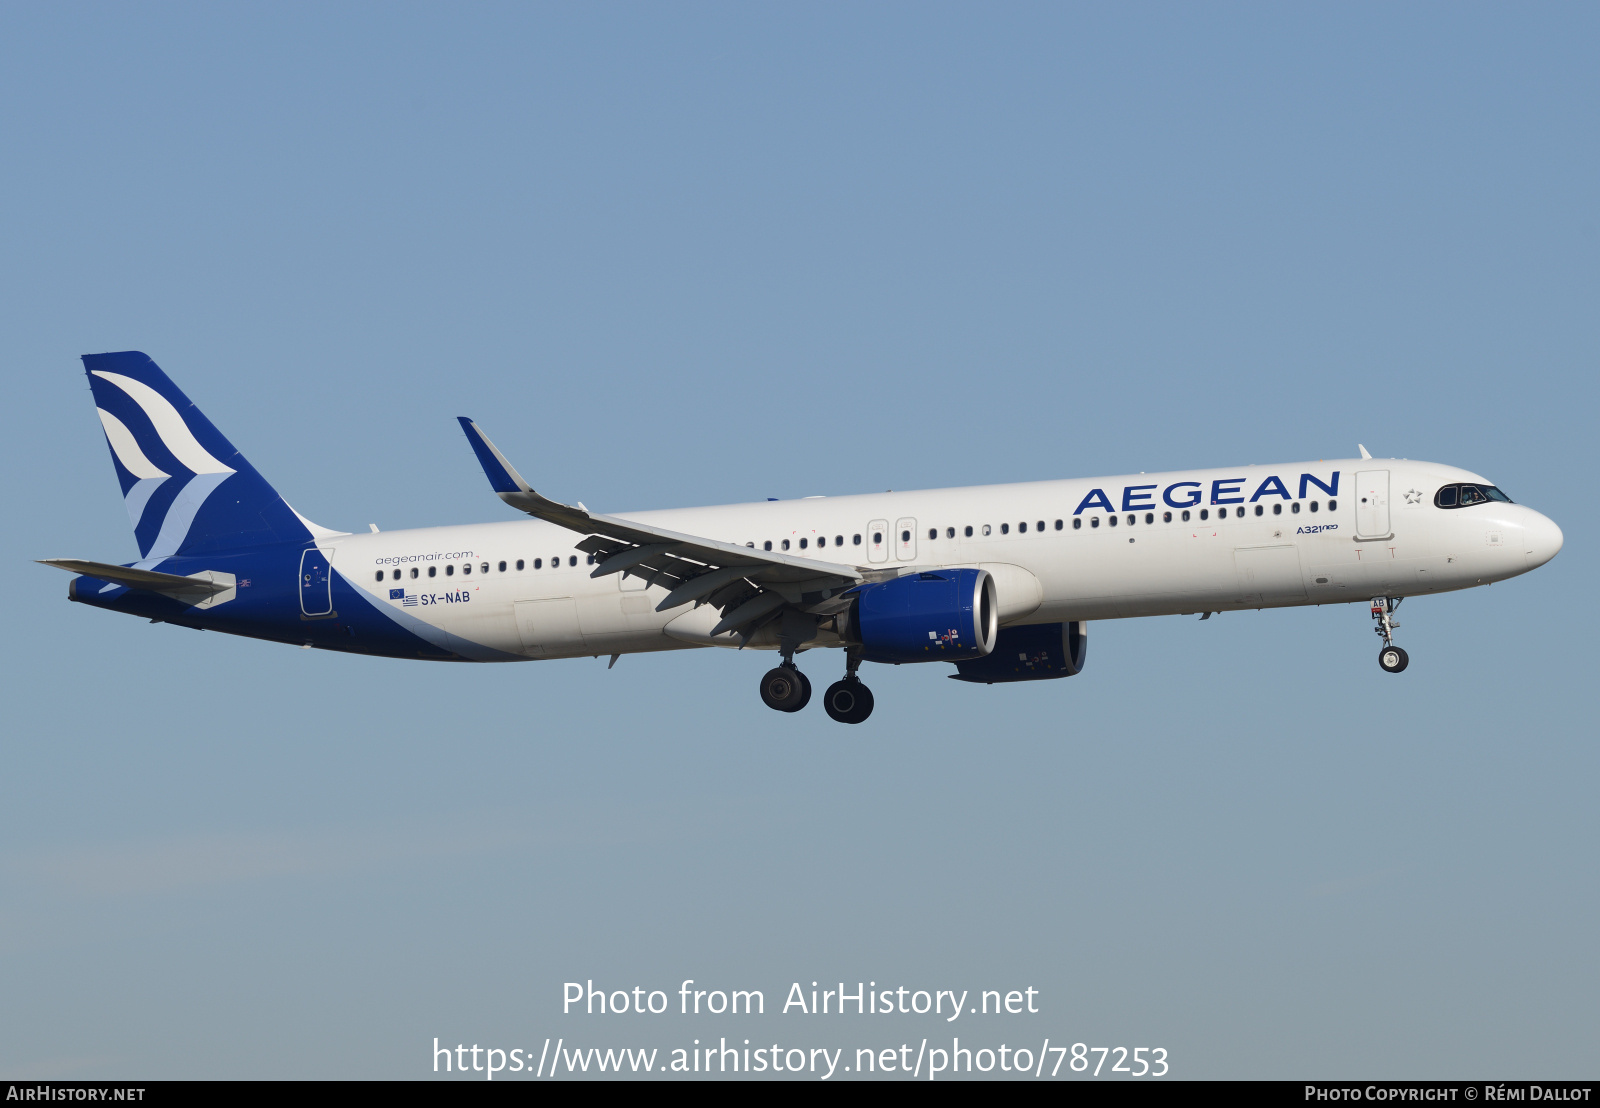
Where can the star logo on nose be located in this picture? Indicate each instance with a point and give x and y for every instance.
(1413, 496)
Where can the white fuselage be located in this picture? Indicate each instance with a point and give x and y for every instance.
(1382, 536)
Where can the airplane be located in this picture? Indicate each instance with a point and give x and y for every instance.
(1000, 581)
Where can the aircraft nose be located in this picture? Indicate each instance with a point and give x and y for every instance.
(1542, 539)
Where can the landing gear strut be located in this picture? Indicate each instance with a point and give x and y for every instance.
(784, 687)
(1392, 658)
(848, 701)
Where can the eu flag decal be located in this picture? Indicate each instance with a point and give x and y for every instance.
(397, 594)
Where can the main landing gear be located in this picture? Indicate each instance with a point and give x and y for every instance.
(785, 689)
(848, 701)
(1392, 658)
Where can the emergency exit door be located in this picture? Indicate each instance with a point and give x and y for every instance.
(905, 539)
(878, 541)
(1372, 504)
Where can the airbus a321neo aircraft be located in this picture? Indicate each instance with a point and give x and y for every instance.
(999, 581)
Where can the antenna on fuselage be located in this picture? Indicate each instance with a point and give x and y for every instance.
(1363, 450)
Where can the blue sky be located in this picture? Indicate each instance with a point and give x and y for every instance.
(704, 253)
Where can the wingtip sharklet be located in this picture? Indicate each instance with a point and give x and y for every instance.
(503, 477)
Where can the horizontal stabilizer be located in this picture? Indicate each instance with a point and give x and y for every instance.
(203, 584)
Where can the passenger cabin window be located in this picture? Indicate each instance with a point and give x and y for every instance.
(905, 536)
(1294, 509)
(1333, 505)
(1112, 520)
(985, 528)
(1040, 526)
(1005, 528)
(519, 565)
(397, 575)
(1239, 511)
(1149, 517)
(877, 538)
(933, 532)
(785, 544)
(380, 575)
(1022, 528)
(433, 571)
(1277, 509)
(802, 544)
(1094, 521)
(1186, 515)
(838, 540)
(949, 532)
(855, 540)
(413, 573)
(573, 560)
(968, 532)
(1204, 513)
(1313, 505)
(767, 545)
(1058, 524)
(450, 571)
(502, 568)
(1260, 509)
(465, 568)
(1077, 523)
(1166, 517)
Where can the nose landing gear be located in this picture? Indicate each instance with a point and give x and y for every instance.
(1392, 658)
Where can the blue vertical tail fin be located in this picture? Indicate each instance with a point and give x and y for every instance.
(187, 489)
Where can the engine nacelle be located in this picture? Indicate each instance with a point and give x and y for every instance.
(947, 616)
(1036, 652)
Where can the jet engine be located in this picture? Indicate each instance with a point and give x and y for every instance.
(1036, 652)
(946, 616)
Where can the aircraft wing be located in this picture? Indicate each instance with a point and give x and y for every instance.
(750, 587)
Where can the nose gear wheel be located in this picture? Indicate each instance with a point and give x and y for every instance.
(1392, 658)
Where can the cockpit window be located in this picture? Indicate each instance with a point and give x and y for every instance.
(1464, 496)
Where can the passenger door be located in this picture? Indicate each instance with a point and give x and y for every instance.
(1372, 504)
(878, 541)
(316, 583)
